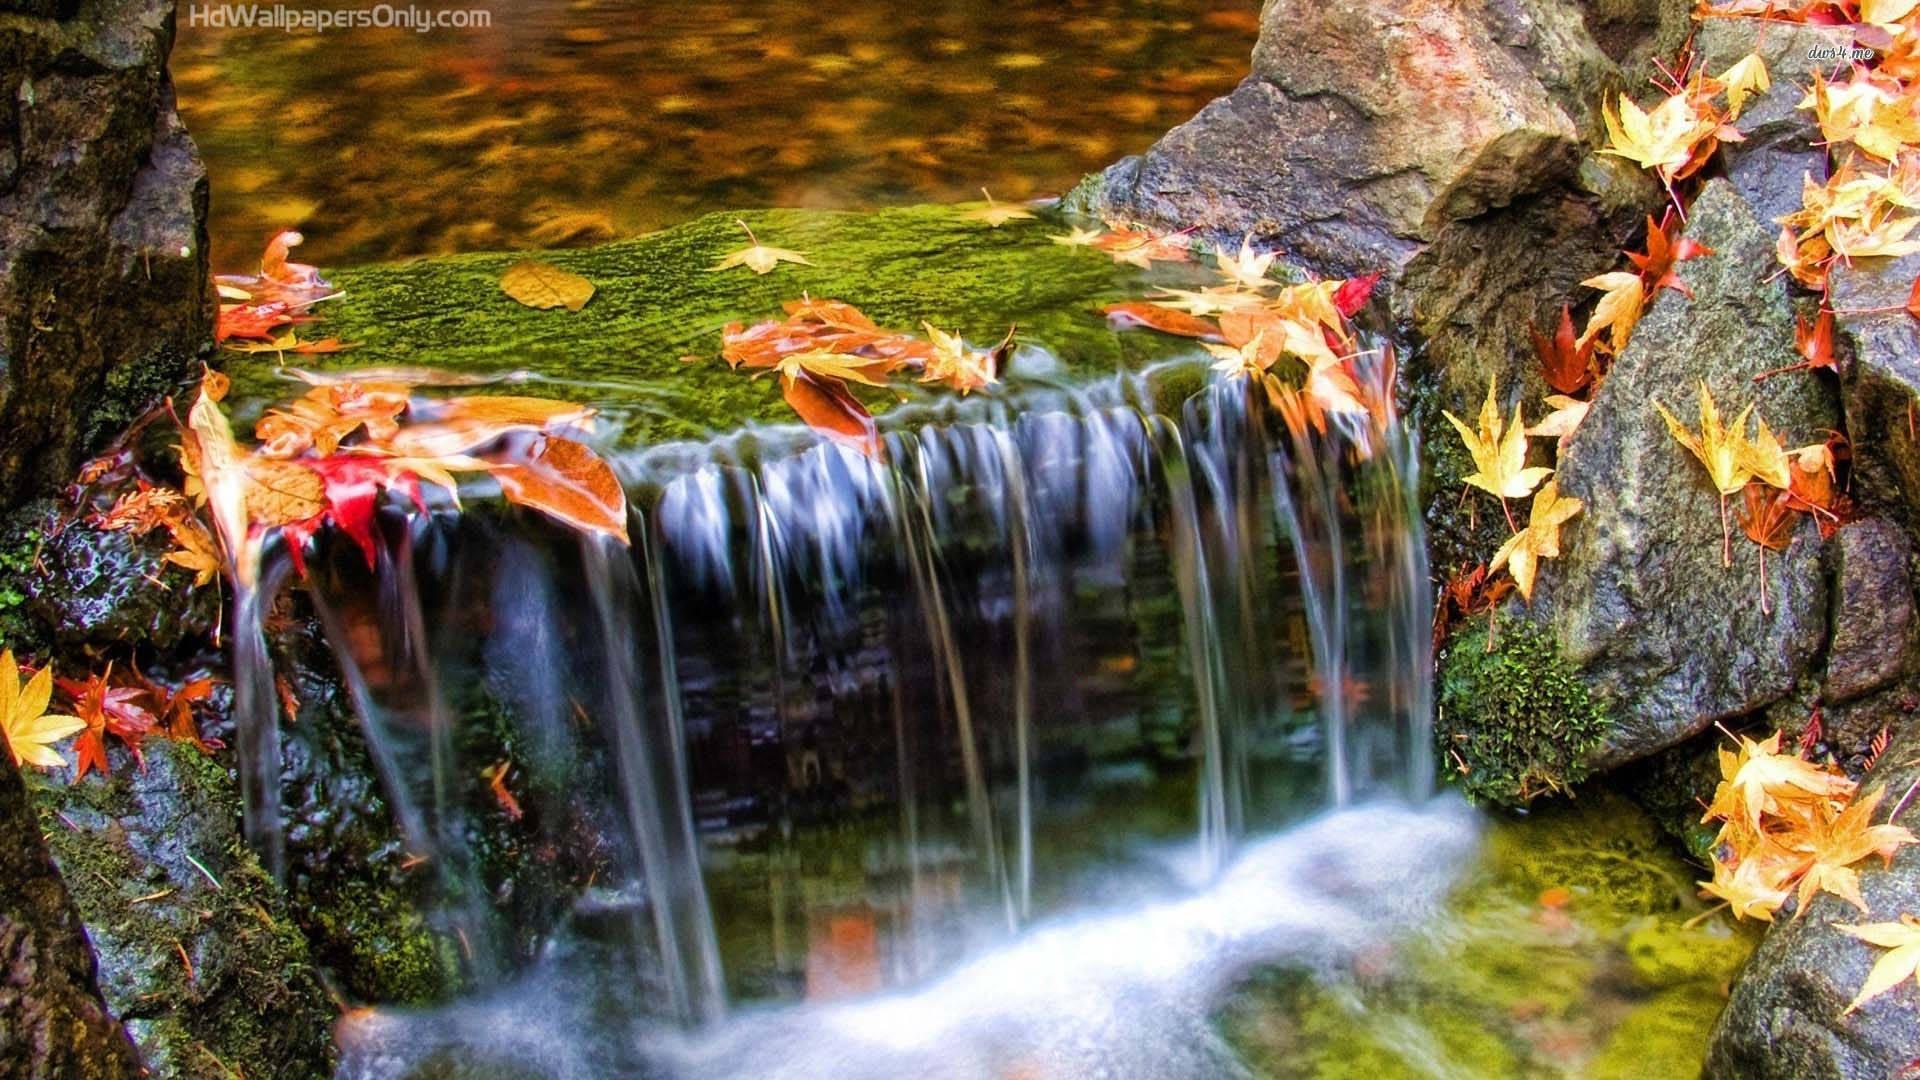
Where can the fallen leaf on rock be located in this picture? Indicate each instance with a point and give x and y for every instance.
(756, 256)
(1499, 451)
(1522, 552)
(541, 285)
(31, 731)
(1897, 966)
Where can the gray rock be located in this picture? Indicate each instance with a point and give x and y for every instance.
(1667, 638)
(195, 947)
(1366, 128)
(52, 1021)
(1785, 1018)
(104, 294)
(1875, 627)
(1783, 141)
(1881, 386)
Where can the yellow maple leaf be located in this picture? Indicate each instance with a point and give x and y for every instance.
(1248, 269)
(1662, 140)
(1897, 966)
(1765, 457)
(1847, 839)
(1622, 299)
(1565, 419)
(995, 215)
(1499, 452)
(31, 731)
(1759, 779)
(1748, 76)
(1078, 237)
(958, 366)
(756, 256)
(1522, 552)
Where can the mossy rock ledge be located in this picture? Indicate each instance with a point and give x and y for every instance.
(657, 302)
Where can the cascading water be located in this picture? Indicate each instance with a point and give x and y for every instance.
(855, 724)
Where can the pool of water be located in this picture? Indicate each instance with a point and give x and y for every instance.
(572, 121)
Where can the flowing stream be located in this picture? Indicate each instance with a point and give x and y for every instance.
(1061, 676)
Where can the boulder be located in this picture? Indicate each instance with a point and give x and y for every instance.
(1787, 1016)
(196, 950)
(1881, 384)
(1783, 141)
(104, 294)
(1875, 628)
(1365, 128)
(53, 1023)
(1666, 637)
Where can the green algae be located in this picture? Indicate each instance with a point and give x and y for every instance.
(656, 302)
(1514, 719)
(1574, 947)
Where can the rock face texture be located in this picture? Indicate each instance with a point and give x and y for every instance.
(1787, 1018)
(1366, 128)
(53, 1023)
(104, 294)
(1667, 636)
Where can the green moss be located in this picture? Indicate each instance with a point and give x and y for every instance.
(197, 955)
(1623, 968)
(132, 388)
(656, 303)
(20, 541)
(1517, 719)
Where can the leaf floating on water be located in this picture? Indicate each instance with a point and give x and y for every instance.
(828, 407)
(756, 256)
(566, 480)
(542, 285)
(1161, 317)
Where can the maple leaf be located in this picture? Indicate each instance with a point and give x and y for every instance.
(1873, 112)
(1747, 76)
(1622, 297)
(543, 285)
(1522, 552)
(756, 256)
(1897, 966)
(194, 550)
(1663, 140)
(829, 408)
(1566, 361)
(1656, 264)
(1142, 247)
(1753, 877)
(1563, 421)
(1250, 357)
(1849, 838)
(1768, 520)
(496, 777)
(1249, 269)
(30, 730)
(176, 711)
(1467, 593)
(1759, 778)
(568, 482)
(1078, 237)
(1499, 453)
(1724, 452)
(995, 215)
(1353, 293)
(1162, 317)
(1765, 457)
(959, 367)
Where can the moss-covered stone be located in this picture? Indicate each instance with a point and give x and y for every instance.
(197, 954)
(656, 302)
(1514, 719)
(1574, 946)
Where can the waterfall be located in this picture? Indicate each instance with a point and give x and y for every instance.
(958, 649)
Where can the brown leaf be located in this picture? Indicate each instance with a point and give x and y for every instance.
(541, 285)
(564, 479)
(829, 408)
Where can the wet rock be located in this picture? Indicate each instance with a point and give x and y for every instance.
(1874, 624)
(53, 1023)
(1783, 141)
(86, 590)
(1787, 1017)
(104, 294)
(1667, 637)
(1365, 128)
(1881, 386)
(196, 951)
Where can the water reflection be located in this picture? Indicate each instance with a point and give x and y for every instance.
(573, 121)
